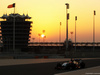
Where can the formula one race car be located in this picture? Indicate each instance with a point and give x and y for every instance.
(72, 64)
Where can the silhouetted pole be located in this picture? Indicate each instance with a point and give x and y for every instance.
(14, 34)
(75, 32)
(14, 31)
(94, 30)
(71, 36)
(60, 33)
(43, 36)
(33, 40)
(67, 17)
(39, 37)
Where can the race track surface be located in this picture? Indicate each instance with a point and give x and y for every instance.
(40, 68)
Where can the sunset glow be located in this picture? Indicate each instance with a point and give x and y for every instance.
(47, 14)
(42, 35)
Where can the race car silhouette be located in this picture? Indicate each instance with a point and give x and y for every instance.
(72, 64)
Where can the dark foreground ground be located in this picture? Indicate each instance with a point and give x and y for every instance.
(40, 69)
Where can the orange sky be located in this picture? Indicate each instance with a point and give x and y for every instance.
(47, 15)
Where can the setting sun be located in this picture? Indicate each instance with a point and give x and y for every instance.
(42, 35)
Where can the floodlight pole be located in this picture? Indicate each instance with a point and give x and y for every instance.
(94, 30)
(60, 33)
(14, 34)
(14, 31)
(75, 32)
(39, 37)
(67, 17)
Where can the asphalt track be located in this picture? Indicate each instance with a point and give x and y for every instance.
(40, 69)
